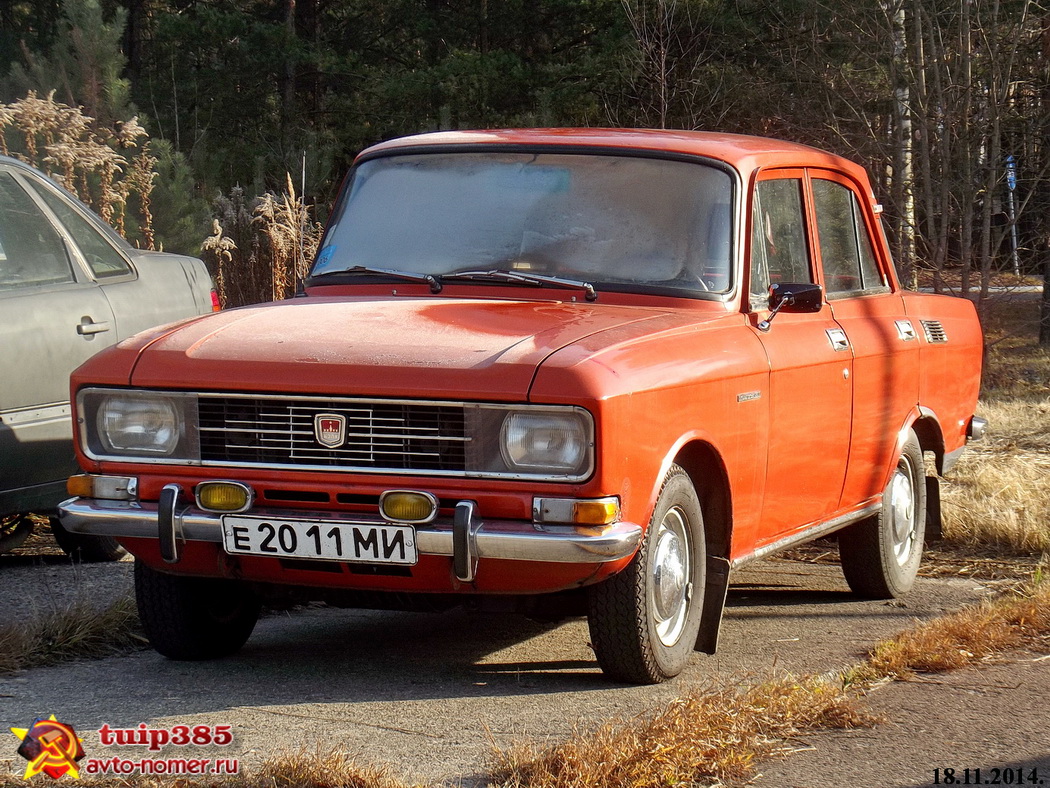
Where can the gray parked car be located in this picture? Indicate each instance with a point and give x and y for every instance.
(69, 287)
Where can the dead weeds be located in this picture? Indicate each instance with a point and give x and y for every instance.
(77, 630)
(998, 496)
(1010, 622)
(705, 737)
(316, 769)
(319, 768)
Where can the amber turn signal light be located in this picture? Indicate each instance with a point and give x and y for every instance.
(596, 512)
(113, 488)
(223, 496)
(576, 511)
(408, 506)
(80, 486)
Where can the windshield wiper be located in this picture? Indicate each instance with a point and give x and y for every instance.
(408, 276)
(533, 279)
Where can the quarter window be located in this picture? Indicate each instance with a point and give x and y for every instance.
(846, 253)
(778, 238)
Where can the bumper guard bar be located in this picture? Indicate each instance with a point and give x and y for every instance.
(466, 537)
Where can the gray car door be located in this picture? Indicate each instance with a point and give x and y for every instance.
(52, 318)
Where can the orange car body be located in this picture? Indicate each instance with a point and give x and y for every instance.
(788, 430)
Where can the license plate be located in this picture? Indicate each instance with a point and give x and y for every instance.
(330, 540)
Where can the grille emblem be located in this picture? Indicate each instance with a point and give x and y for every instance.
(330, 429)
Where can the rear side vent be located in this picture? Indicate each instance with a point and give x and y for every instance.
(934, 331)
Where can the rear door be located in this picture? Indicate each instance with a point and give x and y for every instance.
(884, 340)
(52, 318)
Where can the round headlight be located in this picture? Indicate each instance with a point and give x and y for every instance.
(139, 425)
(544, 441)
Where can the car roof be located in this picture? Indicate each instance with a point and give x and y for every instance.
(11, 161)
(743, 152)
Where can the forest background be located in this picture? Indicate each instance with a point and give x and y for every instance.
(946, 102)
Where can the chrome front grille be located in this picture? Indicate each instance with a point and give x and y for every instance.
(380, 434)
(934, 331)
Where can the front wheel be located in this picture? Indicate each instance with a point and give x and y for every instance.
(644, 620)
(14, 530)
(193, 618)
(880, 555)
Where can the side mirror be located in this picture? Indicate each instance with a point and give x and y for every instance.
(799, 297)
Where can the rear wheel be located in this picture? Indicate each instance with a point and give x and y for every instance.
(192, 618)
(644, 620)
(881, 555)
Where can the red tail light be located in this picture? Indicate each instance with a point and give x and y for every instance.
(215, 305)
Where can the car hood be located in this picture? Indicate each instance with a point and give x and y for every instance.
(405, 347)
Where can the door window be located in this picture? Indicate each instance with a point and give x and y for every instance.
(31, 250)
(778, 238)
(846, 252)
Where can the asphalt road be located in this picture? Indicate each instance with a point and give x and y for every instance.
(429, 694)
(980, 726)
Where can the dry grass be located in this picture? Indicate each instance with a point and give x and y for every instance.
(1000, 500)
(102, 166)
(974, 634)
(77, 630)
(300, 769)
(951, 279)
(261, 249)
(998, 495)
(316, 769)
(705, 737)
(290, 238)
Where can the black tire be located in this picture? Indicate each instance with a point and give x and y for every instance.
(881, 554)
(87, 548)
(194, 618)
(644, 620)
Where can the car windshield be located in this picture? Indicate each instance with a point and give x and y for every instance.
(622, 222)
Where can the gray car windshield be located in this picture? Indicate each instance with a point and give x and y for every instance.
(620, 221)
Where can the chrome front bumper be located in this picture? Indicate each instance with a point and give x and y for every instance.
(465, 538)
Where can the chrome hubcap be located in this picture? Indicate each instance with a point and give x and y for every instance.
(671, 585)
(902, 510)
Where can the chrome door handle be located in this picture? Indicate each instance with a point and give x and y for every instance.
(838, 339)
(87, 326)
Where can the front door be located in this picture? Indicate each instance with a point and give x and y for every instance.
(810, 364)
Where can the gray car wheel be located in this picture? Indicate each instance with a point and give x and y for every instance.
(644, 620)
(881, 555)
(85, 547)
